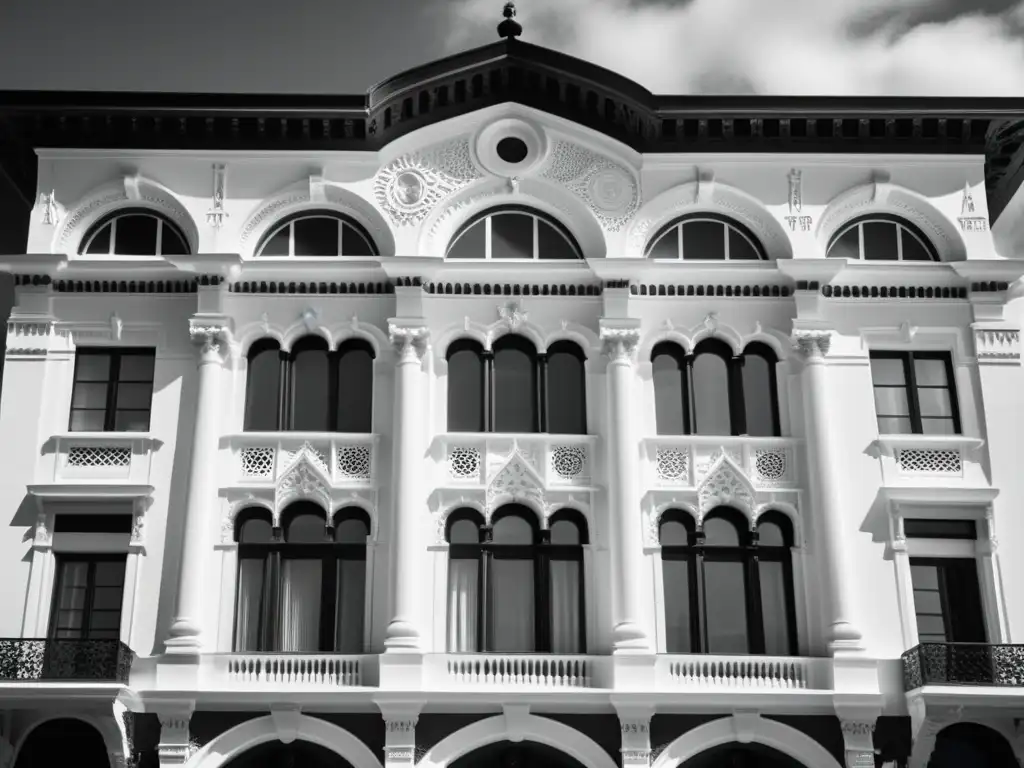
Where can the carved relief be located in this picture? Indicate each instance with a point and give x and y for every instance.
(619, 344)
(409, 342)
(303, 478)
(51, 208)
(270, 210)
(811, 344)
(796, 202)
(86, 210)
(409, 187)
(216, 215)
(725, 485)
(511, 313)
(997, 343)
(212, 339)
(516, 481)
(28, 337)
(608, 189)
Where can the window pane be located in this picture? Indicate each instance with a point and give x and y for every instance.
(726, 607)
(92, 367)
(515, 391)
(100, 244)
(931, 625)
(256, 530)
(464, 532)
(927, 602)
(666, 246)
(134, 396)
(136, 368)
(930, 372)
(935, 402)
(719, 532)
(135, 235)
(711, 395)
(512, 609)
(107, 598)
(924, 576)
(513, 530)
(355, 391)
(673, 534)
(310, 382)
(465, 392)
(703, 240)
(880, 241)
(928, 528)
(565, 532)
(351, 531)
(770, 535)
(565, 606)
(774, 608)
(351, 589)
(171, 243)
(740, 247)
(551, 244)
(316, 236)
(299, 611)
(676, 578)
(471, 244)
(847, 245)
(894, 426)
(511, 236)
(249, 604)
(913, 250)
(353, 243)
(566, 393)
(279, 243)
(888, 370)
(89, 396)
(131, 421)
(109, 573)
(938, 427)
(463, 604)
(263, 387)
(306, 528)
(668, 396)
(891, 401)
(87, 421)
(759, 407)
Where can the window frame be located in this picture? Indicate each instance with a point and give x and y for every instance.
(91, 560)
(902, 225)
(950, 611)
(729, 225)
(111, 220)
(343, 221)
(907, 357)
(539, 217)
(112, 383)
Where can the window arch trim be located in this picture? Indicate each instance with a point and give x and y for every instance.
(539, 218)
(165, 226)
(902, 224)
(728, 222)
(343, 220)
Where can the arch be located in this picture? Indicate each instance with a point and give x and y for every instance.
(708, 196)
(285, 727)
(964, 743)
(710, 328)
(726, 239)
(363, 506)
(251, 333)
(125, 192)
(348, 235)
(462, 512)
(249, 513)
(313, 194)
(571, 514)
(300, 331)
(786, 509)
(770, 733)
(516, 728)
(532, 227)
(588, 341)
(544, 196)
(453, 334)
(106, 733)
(106, 236)
(885, 198)
(911, 244)
(511, 507)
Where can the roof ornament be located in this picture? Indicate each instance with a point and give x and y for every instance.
(509, 28)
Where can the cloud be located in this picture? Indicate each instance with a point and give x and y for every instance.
(842, 47)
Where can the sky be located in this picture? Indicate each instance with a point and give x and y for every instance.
(842, 47)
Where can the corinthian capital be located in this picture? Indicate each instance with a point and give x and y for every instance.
(211, 337)
(619, 344)
(409, 341)
(811, 344)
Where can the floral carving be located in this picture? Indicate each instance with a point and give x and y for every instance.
(410, 342)
(304, 478)
(410, 186)
(811, 344)
(725, 485)
(516, 480)
(607, 188)
(997, 343)
(511, 313)
(619, 344)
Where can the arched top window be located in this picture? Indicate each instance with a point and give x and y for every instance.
(774, 529)
(135, 232)
(253, 526)
(514, 232)
(705, 237)
(317, 233)
(351, 526)
(880, 237)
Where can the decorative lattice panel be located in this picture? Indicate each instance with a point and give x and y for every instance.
(673, 465)
(354, 462)
(464, 463)
(930, 461)
(88, 456)
(771, 464)
(258, 462)
(568, 461)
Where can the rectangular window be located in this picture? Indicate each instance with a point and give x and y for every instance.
(915, 393)
(947, 600)
(87, 597)
(113, 390)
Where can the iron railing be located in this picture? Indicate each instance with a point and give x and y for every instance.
(93, 660)
(963, 664)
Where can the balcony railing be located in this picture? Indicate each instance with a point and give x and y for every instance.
(682, 461)
(107, 661)
(473, 459)
(963, 664)
(512, 670)
(98, 457)
(262, 458)
(288, 671)
(768, 673)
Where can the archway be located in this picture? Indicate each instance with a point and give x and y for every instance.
(297, 754)
(971, 744)
(526, 754)
(742, 756)
(65, 741)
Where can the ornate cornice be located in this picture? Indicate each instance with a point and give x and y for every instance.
(997, 343)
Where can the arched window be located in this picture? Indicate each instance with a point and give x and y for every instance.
(135, 232)
(513, 388)
(728, 591)
(301, 587)
(714, 392)
(513, 232)
(705, 237)
(513, 588)
(311, 389)
(880, 237)
(321, 233)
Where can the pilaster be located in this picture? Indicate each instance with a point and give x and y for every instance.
(174, 747)
(859, 744)
(635, 725)
(400, 734)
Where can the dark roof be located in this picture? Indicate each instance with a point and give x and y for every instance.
(511, 70)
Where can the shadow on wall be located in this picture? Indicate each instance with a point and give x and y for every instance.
(13, 239)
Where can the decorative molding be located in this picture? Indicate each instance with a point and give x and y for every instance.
(512, 289)
(516, 481)
(51, 208)
(967, 201)
(512, 315)
(287, 723)
(997, 343)
(410, 186)
(299, 287)
(305, 476)
(409, 341)
(796, 200)
(620, 344)
(30, 336)
(86, 210)
(212, 339)
(812, 345)
(725, 484)
(216, 215)
(607, 188)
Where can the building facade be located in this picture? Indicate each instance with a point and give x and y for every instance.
(511, 414)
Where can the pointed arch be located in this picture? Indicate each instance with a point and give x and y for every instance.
(726, 485)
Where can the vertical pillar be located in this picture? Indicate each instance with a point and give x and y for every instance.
(842, 633)
(186, 632)
(628, 636)
(174, 747)
(635, 724)
(409, 339)
(400, 738)
(858, 743)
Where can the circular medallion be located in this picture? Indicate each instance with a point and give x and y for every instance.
(610, 191)
(407, 189)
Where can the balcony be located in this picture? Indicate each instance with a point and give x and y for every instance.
(475, 460)
(294, 672)
(522, 671)
(98, 661)
(261, 459)
(979, 664)
(699, 672)
(683, 461)
(936, 460)
(105, 458)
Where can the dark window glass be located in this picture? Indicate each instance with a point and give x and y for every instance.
(256, 530)
(703, 240)
(171, 242)
(913, 250)
(355, 388)
(353, 243)
(512, 236)
(263, 387)
(884, 238)
(316, 236)
(515, 387)
(711, 394)
(760, 399)
(775, 607)
(466, 388)
(135, 235)
(676, 575)
(939, 529)
(310, 387)
(112, 523)
(914, 393)
(87, 597)
(306, 528)
(552, 244)
(669, 390)
(464, 532)
(566, 390)
(847, 245)
(666, 246)
(100, 243)
(719, 532)
(279, 244)
(726, 605)
(881, 240)
(112, 391)
(471, 244)
(947, 600)
(740, 248)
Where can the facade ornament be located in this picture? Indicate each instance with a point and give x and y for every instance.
(517, 480)
(704, 190)
(512, 314)
(309, 318)
(711, 322)
(509, 28)
(410, 186)
(317, 188)
(410, 342)
(620, 344)
(265, 322)
(858, 740)
(51, 213)
(513, 185)
(116, 326)
(812, 345)
(997, 343)
(175, 746)
(42, 532)
(138, 527)
(305, 477)
(796, 202)
(211, 338)
(607, 188)
(967, 203)
(216, 215)
(724, 485)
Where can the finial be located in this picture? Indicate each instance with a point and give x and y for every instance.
(509, 28)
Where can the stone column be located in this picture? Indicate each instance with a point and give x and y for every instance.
(812, 347)
(859, 744)
(400, 740)
(407, 468)
(186, 632)
(635, 725)
(624, 540)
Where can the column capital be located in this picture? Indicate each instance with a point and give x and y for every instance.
(859, 743)
(211, 337)
(409, 339)
(619, 345)
(996, 344)
(811, 345)
(635, 725)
